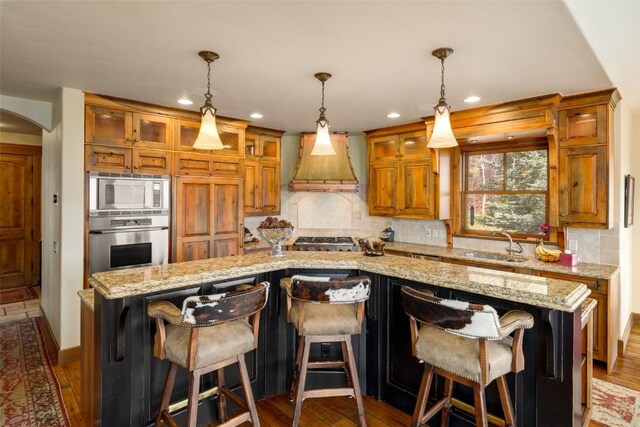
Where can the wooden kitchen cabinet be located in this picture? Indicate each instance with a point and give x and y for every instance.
(110, 126)
(209, 219)
(583, 126)
(583, 184)
(100, 158)
(402, 182)
(262, 178)
(195, 164)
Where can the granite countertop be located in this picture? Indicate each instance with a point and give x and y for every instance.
(539, 291)
(87, 296)
(596, 271)
(587, 308)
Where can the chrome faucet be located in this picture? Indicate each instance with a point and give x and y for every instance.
(510, 250)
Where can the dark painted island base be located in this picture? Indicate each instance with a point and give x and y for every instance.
(129, 380)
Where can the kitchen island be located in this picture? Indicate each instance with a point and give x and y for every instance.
(128, 380)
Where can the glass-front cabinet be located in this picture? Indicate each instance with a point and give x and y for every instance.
(413, 145)
(384, 148)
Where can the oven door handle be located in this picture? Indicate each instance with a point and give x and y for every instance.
(128, 230)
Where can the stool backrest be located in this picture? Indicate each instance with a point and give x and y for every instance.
(330, 290)
(456, 317)
(210, 310)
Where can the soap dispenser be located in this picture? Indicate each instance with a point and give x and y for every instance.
(387, 234)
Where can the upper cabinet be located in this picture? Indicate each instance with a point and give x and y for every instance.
(109, 126)
(585, 164)
(262, 178)
(402, 177)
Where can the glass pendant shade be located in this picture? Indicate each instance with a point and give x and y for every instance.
(442, 136)
(323, 146)
(208, 137)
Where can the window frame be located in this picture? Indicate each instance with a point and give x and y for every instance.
(500, 148)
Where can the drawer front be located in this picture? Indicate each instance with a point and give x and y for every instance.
(192, 165)
(225, 168)
(107, 159)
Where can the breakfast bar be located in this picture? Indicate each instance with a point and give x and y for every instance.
(127, 380)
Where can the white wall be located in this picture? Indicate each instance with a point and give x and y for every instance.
(635, 229)
(20, 138)
(38, 112)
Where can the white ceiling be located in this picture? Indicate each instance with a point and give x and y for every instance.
(379, 53)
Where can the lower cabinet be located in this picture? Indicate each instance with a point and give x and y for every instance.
(208, 218)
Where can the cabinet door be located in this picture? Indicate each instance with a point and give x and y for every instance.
(269, 184)
(270, 148)
(98, 158)
(153, 162)
(226, 167)
(251, 146)
(413, 145)
(152, 131)
(383, 181)
(227, 225)
(251, 190)
(416, 189)
(583, 185)
(384, 148)
(582, 126)
(191, 164)
(185, 134)
(194, 222)
(233, 141)
(107, 126)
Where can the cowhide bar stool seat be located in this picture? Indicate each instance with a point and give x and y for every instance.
(208, 334)
(466, 343)
(324, 309)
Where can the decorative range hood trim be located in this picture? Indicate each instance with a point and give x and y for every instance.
(324, 173)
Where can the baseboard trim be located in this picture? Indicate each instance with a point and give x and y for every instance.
(634, 319)
(56, 356)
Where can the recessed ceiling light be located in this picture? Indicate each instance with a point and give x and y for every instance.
(185, 101)
(510, 137)
(474, 140)
(472, 99)
(256, 116)
(393, 115)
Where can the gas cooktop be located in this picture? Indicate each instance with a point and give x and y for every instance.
(324, 241)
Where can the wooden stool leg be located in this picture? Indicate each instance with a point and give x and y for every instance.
(505, 399)
(355, 380)
(194, 392)
(448, 390)
(481, 406)
(248, 391)
(295, 375)
(423, 396)
(301, 381)
(222, 399)
(345, 357)
(166, 392)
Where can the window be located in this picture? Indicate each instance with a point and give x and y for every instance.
(505, 189)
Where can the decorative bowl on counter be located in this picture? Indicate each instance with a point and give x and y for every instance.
(275, 232)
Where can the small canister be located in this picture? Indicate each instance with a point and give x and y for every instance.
(387, 234)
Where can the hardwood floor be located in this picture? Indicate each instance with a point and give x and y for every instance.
(341, 411)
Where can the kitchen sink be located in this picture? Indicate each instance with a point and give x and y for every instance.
(491, 256)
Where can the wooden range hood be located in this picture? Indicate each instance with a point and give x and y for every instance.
(324, 173)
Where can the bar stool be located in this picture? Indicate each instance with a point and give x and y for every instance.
(465, 343)
(209, 333)
(325, 309)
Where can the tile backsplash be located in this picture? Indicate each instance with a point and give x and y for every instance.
(346, 214)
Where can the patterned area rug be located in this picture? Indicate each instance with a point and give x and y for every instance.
(29, 391)
(614, 405)
(7, 296)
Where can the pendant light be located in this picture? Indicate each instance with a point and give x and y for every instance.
(442, 136)
(208, 137)
(322, 146)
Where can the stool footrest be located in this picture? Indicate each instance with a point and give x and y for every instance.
(326, 392)
(434, 409)
(236, 421)
(327, 365)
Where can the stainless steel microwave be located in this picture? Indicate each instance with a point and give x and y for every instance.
(125, 194)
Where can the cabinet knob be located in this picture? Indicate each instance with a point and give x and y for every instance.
(127, 167)
(128, 139)
(561, 139)
(563, 214)
(135, 167)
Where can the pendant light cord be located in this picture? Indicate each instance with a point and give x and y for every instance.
(322, 109)
(208, 95)
(442, 86)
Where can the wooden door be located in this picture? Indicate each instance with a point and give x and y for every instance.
(107, 126)
(413, 145)
(185, 134)
(583, 126)
(101, 158)
(152, 131)
(152, 161)
(192, 164)
(194, 219)
(228, 227)
(19, 215)
(383, 181)
(416, 189)
(251, 146)
(251, 188)
(270, 148)
(232, 139)
(583, 185)
(269, 187)
(384, 148)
